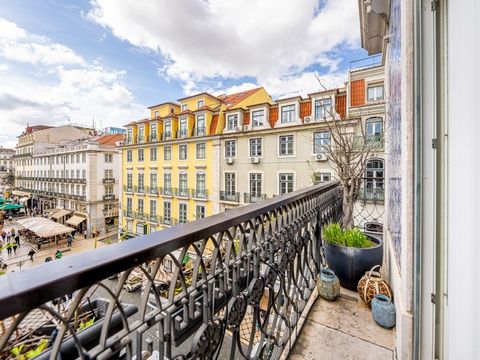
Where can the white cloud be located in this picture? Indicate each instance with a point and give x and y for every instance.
(269, 40)
(47, 83)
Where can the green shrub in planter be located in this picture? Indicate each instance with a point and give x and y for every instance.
(334, 234)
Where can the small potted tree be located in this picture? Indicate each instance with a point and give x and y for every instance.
(350, 253)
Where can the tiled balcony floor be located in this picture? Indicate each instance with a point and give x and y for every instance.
(343, 329)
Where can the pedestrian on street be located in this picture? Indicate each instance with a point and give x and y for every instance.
(14, 247)
(9, 248)
(85, 234)
(58, 255)
(17, 240)
(3, 235)
(69, 240)
(8, 236)
(31, 253)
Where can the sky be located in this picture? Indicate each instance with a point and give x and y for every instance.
(106, 61)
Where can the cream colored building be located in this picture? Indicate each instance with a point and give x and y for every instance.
(76, 181)
(277, 148)
(6, 166)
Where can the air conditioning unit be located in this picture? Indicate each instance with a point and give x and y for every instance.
(321, 157)
(237, 128)
(229, 160)
(307, 119)
(246, 127)
(255, 160)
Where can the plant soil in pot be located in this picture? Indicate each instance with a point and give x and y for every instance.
(351, 253)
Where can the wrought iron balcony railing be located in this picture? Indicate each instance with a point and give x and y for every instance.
(253, 198)
(109, 181)
(229, 196)
(183, 192)
(199, 193)
(371, 194)
(109, 197)
(210, 290)
(200, 131)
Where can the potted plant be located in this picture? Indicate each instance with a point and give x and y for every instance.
(350, 253)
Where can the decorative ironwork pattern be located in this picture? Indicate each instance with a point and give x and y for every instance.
(233, 285)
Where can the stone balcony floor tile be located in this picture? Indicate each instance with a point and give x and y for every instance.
(343, 329)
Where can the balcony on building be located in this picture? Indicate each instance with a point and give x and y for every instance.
(108, 180)
(253, 198)
(204, 289)
(230, 196)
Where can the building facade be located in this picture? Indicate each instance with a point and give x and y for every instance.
(207, 154)
(171, 161)
(7, 168)
(76, 181)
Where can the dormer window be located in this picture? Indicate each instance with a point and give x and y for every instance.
(200, 125)
(258, 118)
(375, 92)
(183, 127)
(156, 114)
(288, 114)
(323, 108)
(200, 103)
(232, 121)
(184, 107)
(168, 129)
(140, 134)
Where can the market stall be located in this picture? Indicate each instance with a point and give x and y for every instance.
(40, 230)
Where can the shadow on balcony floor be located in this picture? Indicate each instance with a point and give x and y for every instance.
(343, 329)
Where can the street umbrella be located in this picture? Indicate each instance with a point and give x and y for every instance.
(7, 206)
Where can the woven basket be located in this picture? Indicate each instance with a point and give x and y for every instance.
(371, 284)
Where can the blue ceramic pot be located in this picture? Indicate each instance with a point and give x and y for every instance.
(329, 285)
(383, 311)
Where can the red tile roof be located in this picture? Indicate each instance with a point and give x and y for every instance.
(204, 107)
(110, 139)
(233, 99)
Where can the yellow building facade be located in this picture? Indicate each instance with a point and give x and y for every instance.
(171, 161)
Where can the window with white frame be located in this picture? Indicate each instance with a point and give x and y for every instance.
(375, 174)
(183, 128)
(182, 152)
(288, 114)
(321, 140)
(200, 125)
(256, 147)
(167, 129)
(230, 148)
(230, 184)
(256, 185)
(153, 208)
(108, 174)
(107, 157)
(200, 185)
(200, 103)
(167, 212)
(199, 211)
(375, 92)
(141, 182)
(153, 154)
(184, 107)
(140, 207)
(258, 118)
(182, 184)
(374, 128)
(153, 180)
(156, 114)
(129, 206)
(129, 136)
(232, 121)
(167, 153)
(167, 184)
(129, 155)
(129, 181)
(153, 130)
(140, 155)
(108, 190)
(140, 134)
(200, 151)
(321, 177)
(286, 145)
(285, 183)
(182, 213)
(323, 108)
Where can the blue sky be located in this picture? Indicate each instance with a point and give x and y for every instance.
(110, 59)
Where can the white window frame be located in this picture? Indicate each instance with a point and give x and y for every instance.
(322, 142)
(374, 86)
(180, 147)
(280, 145)
(252, 118)
(200, 103)
(280, 173)
(293, 117)
(229, 154)
(184, 107)
(232, 124)
(204, 151)
(250, 147)
(323, 112)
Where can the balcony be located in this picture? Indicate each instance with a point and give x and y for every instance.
(128, 213)
(111, 212)
(200, 131)
(108, 197)
(108, 181)
(371, 194)
(199, 300)
(128, 188)
(167, 191)
(229, 196)
(153, 138)
(167, 136)
(152, 190)
(199, 193)
(253, 198)
(181, 134)
(183, 192)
